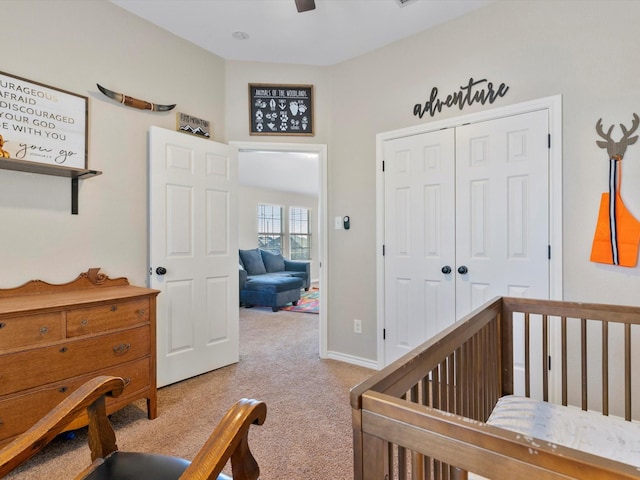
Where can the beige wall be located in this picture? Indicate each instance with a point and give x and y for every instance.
(73, 45)
(583, 50)
(248, 200)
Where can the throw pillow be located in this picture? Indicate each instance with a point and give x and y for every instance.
(273, 262)
(252, 261)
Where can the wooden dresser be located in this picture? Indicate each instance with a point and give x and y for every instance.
(53, 338)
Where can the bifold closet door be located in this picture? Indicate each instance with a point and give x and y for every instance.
(419, 239)
(502, 209)
(466, 219)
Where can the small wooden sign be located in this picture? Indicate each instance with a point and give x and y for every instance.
(280, 109)
(193, 125)
(43, 124)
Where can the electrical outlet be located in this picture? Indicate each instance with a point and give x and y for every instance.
(357, 326)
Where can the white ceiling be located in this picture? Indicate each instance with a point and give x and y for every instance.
(335, 31)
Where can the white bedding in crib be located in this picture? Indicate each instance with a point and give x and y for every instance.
(607, 436)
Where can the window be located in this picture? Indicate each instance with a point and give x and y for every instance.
(270, 227)
(299, 234)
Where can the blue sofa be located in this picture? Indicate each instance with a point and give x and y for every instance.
(271, 280)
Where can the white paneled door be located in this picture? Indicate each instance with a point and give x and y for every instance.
(193, 249)
(466, 219)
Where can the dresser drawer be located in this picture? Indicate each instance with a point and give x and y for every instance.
(16, 332)
(27, 369)
(85, 321)
(20, 412)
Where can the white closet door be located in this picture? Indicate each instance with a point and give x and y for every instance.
(502, 209)
(419, 239)
(473, 199)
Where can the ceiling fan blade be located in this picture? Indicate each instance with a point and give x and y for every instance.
(305, 5)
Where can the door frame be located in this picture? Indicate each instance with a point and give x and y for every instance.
(554, 106)
(321, 151)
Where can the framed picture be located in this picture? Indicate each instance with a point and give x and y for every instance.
(43, 124)
(280, 109)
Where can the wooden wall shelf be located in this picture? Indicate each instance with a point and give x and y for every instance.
(74, 174)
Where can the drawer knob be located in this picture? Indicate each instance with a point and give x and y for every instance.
(121, 349)
(44, 329)
(114, 308)
(2, 324)
(84, 322)
(63, 349)
(127, 381)
(63, 389)
(141, 312)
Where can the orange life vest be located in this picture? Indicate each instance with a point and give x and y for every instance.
(628, 234)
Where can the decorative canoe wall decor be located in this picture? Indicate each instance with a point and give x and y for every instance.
(617, 234)
(134, 102)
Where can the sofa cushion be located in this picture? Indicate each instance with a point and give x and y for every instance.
(252, 261)
(273, 262)
(273, 283)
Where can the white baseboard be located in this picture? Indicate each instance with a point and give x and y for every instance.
(361, 362)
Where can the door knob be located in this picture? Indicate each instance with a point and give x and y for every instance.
(462, 270)
(161, 270)
(446, 269)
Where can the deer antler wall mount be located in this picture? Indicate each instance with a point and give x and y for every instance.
(617, 233)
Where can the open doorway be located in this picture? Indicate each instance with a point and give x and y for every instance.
(293, 169)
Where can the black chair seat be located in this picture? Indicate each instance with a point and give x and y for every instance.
(141, 466)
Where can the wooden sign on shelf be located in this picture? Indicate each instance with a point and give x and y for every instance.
(43, 124)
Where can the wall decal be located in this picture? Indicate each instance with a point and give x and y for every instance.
(617, 234)
(134, 102)
(475, 91)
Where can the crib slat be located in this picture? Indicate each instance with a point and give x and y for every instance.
(583, 356)
(605, 368)
(467, 379)
(444, 398)
(458, 380)
(627, 371)
(563, 340)
(476, 375)
(545, 357)
(527, 364)
(451, 383)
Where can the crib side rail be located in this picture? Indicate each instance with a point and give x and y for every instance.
(458, 371)
(463, 445)
(593, 347)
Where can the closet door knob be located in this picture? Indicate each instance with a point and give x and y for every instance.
(446, 269)
(462, 270)
(161, 270)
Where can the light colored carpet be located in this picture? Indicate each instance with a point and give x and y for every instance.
(307, 434)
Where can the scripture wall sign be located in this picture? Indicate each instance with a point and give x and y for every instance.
(475, 91)
(42, 124)
(280, 109)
